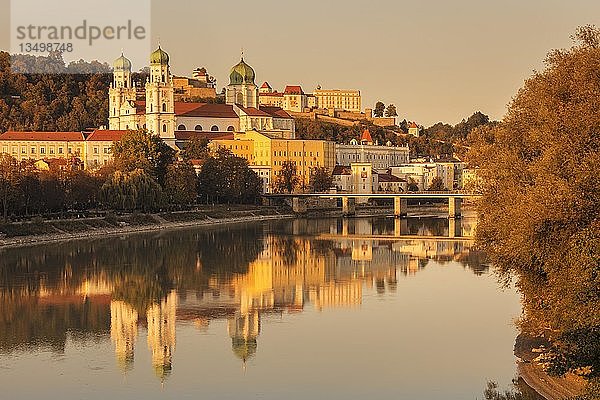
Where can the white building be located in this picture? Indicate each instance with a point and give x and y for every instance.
(161, 115)
(380, 157)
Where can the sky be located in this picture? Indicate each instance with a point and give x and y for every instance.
(436, 60)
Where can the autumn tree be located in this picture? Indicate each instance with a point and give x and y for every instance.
(321, 179)
(287, 180)
(390, 111)
(379, 109)
(539, 215)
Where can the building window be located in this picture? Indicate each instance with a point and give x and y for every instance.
(33, 150)
(96, 150)
(198, 128)
(51, 150)
(60, 150)
(230, 128)
(214, 128)
(181, 128)
(164, 108)
(165, 128)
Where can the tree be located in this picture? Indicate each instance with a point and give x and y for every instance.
(412, 185)
(287, 180)
(195, 149)
(379, 109)
(141, 150)
(181, 184)
(321, 179)
(539, 215)
(9, 174)
(129, 191)
(437, 185)
(390, 111)
(225, 178)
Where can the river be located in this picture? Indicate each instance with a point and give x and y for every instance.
(334, 308)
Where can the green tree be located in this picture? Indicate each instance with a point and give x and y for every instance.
(225, 178)
(195, 149)
(181, 184)
(9, 175)
(412, 185)
(321, 179)
(539, 215)
(287, 180)
(390, 111)
(141, 150)
(129, 191)
(379, 109)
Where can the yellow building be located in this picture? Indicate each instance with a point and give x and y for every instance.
(347, 100)
(272, 150)
(94, 149)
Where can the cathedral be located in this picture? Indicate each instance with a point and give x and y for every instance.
(176, 122)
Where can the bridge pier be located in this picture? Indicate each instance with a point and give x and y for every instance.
(454, 207)
(454, 228)
(348, 206)
(400, 207)
(400, 227)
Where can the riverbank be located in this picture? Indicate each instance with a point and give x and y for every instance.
(527, 350)
(49, 231)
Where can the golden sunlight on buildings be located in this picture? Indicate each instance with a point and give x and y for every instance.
(123, 332)
(161, 334)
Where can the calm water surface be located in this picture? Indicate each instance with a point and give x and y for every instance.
(339, 309)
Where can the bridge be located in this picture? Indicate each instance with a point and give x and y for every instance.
(455, 199)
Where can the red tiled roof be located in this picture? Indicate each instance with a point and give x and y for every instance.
(276, 112)
(188, 135)
(205, 110)
(293, 89)
(105, 136)
(254, 112)
(43, 136)
(413, 125)
(274, 94)
(140, 107)
(342, 170)
(366, 137)
(390, 178)
(265, 85)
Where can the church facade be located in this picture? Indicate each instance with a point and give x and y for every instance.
(173, 121)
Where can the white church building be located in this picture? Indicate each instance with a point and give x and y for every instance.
(179, 121)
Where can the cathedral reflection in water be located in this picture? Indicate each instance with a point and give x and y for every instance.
(304, 264)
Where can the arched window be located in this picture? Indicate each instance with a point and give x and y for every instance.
(144, 126)
(165, 128)
(239, 99)
(198, 128)
(164, 107)
(230, 128)
(181, 128)
(214, 128)
(151, 108)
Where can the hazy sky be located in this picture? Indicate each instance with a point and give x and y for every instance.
(436, 60)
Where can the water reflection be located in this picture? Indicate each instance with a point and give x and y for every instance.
(115, 288)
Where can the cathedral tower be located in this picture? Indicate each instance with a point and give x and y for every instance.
(121, 90)
(241, 89)
(160, 105)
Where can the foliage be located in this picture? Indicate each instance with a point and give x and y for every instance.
(195, 149)
(181, 184)
(9, 173)
(321, 179)
(129, 191)
(225, 178)
(379, 109)
(54, 99)
(539, 215)
(311, 129)
(412, 185)
(437, 185)
(287, 180)
(390, 111)
(142, 150)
